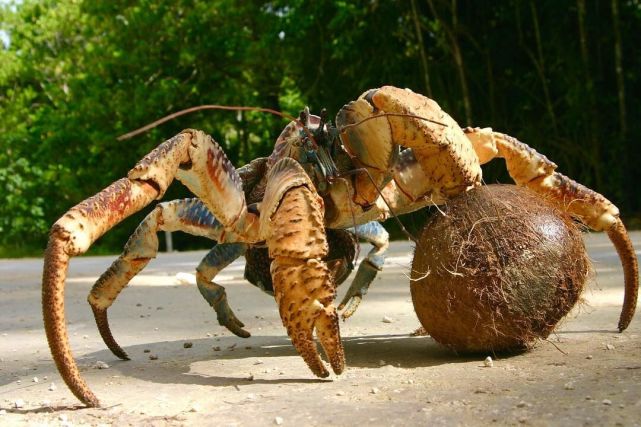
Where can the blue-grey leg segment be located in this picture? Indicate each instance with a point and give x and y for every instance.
(189, 215)
(217, 259)
(374, 233)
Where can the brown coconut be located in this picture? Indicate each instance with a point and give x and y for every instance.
(497, 270)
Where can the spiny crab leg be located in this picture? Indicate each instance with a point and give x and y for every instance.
(531, 169)
(188, 215)
(621, 241)
(72, 235)
(292, 223)
(194, 158)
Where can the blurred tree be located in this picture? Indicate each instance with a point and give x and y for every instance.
(76, 74)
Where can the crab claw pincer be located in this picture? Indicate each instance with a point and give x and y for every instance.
(292, 222)
(304, 293)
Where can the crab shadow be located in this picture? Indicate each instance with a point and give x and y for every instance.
(240, 362)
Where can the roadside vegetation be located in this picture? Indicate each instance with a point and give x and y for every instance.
(74, 75)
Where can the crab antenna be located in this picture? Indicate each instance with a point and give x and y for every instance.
(214, 107)
(411, 116)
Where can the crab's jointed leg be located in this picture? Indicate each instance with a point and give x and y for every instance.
(374, 233)
(217, 259)
(193, 157)
(292, 224)
(188, 215)
(533, 170)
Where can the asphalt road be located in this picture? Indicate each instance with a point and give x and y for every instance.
(585, 374)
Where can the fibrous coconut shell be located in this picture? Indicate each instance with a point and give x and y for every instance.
(496, 269)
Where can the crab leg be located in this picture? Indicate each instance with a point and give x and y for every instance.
(374, 233)
(292, 224)
(533, 170)
(71, 235)
(217, 259)
(188, 215)
(193, 157)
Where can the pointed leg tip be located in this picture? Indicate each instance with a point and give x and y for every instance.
(91, 401)
(322, 374)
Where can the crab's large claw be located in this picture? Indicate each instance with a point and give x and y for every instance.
(292, 226)
(380, 120)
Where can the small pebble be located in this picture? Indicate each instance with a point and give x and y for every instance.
(488, 362)
(258, 362)
(63, 418)
(589, 357)
(569, 386)
(18, 403)
(153, 357)
(146, 350)
(194, 408)
(340, 393)
(101, 365)
(35, 379)
(155, 329)
(19, 382)
(139, 305)
(609, 347)
(52, 387)
(387, 319)
(278, 421)
(208, 335)
(46, 402)
(606, 402)
(85, 337)
(216, 348)
(374, 390)
(250, 378)
(409, 381)
(381, 363)
(188, 345)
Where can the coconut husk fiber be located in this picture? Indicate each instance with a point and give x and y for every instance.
(496, 270)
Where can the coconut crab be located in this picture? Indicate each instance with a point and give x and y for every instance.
(393, 151)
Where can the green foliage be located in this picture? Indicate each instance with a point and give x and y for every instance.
(79, 73)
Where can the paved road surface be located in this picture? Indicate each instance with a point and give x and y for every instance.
(392, 378)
